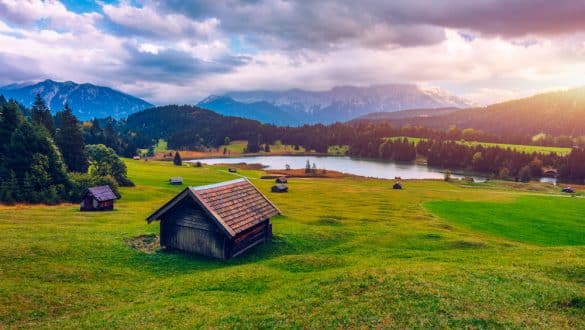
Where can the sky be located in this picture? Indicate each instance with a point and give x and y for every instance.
(180, 51)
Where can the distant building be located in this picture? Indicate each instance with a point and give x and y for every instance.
(397, 185)
(220, 220)
(176, 180)
(98, 199)
(279, 188)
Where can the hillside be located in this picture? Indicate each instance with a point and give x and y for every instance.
(403, 114)
(341, 103)
(186, 125)
(87, 100)
(556, 113)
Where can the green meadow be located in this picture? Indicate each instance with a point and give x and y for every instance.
(516, 147)
(346, 253)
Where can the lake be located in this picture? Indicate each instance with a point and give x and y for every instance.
(356, 166)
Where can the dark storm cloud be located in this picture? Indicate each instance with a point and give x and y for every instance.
(381, 23)
(174, 66)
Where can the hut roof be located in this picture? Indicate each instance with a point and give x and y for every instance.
(235, 205)
(102, 193)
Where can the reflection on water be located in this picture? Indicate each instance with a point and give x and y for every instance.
(356, 166)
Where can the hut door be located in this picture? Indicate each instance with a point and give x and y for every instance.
(95, 203)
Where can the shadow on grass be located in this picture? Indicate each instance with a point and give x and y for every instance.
(290, 244)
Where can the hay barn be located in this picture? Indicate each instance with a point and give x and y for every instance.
(98, 199)
(221, 220)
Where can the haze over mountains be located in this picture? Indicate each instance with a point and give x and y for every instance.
(86, 100)
(342, 103)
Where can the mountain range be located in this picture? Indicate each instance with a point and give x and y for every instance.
(86, 100)
(341, 103)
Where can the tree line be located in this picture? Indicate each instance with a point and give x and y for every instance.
(188, 127)
(44, 158)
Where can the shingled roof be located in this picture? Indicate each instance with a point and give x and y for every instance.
(236, 205)
(102, 193)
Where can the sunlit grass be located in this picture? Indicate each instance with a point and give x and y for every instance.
(515, 147)
(346, 253)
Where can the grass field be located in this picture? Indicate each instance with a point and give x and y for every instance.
(347, 252)
(516, 147)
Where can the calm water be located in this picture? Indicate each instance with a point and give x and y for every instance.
(362, 167)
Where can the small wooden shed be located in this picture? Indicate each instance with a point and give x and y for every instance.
(279, 188)
(397, 186)
(177, 180)
(99, 198)
(221, 220)
(281, 179)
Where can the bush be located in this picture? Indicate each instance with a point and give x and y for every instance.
(105, 161)
(82, 181)
(51, 196)
(525, 174)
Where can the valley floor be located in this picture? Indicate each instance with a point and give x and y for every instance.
(348, 252)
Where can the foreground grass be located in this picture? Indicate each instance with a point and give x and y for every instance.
(347, 252)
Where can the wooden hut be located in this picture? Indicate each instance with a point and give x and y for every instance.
(397, 186)
(220, 220)
(281, 179)
(279, 188)
(232, 170)
(177, 180)
(98, 199)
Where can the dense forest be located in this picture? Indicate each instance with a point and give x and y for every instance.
(44, 159)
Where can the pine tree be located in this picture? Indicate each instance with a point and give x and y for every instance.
(11, 189)
(33, 152)
(51, 196)
(69, 138)
(11, 118)
(177, 160)
(28, 188)
(41, 115)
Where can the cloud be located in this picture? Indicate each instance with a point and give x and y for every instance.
(174, 66)
(181, 51)
(147, 22)
(379, 23)
(15, 68)
(50, 12)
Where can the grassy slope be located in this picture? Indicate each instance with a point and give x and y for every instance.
(516, 147)
(347, 252)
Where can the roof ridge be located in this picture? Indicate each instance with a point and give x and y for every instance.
(217, 185)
